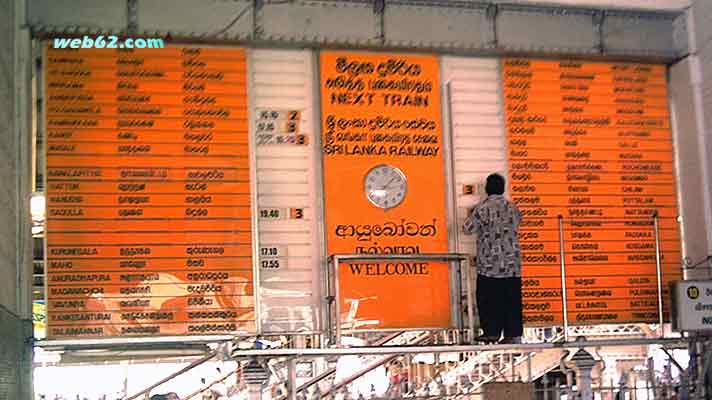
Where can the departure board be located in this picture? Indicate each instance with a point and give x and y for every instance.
(149, 222)
(591, 142)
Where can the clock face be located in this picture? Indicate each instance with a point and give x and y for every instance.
(385, 186)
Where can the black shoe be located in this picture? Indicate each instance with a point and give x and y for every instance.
(486, 339)
(510, 340)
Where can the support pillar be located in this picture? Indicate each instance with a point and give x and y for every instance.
(15, 192)
(584, 363)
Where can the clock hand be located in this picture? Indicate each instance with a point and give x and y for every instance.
(388, 183)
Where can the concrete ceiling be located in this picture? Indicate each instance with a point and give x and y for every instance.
(622, 4)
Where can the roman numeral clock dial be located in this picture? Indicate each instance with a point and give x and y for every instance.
(385, 186)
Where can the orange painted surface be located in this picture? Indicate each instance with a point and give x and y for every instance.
(148, 187)
(591, 142)
(130, 122)
(571, 109)
(120, 225)
(169, 173)
(140, 264)
(559, 98)
(565, 132)
(148, 193)
(582, 155)
(62, 136)
(129, 98)
(394, 101)
(588, 120)
(91, 329)
(166, 74)
(626, 177)
(597, 200)
(188, 161)
(600, 233)
(582, 66)
(587, 144)
(138, 200)
(614, 245)
(68, 110)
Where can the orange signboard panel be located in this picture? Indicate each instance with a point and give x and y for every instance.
(149, 223)
(591, 142)
(384, 186)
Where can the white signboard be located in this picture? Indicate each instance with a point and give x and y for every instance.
(692, 305)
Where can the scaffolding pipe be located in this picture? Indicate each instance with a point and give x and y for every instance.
(174, 375)
(223, 379)
(331, 371)
(503, 348)
(292, 379)
(564, 299)
(658, 271)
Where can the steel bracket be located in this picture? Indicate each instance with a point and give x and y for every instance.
(599, 17)
(257, 29)
(491, 13)
(379, 8)
(131, 16)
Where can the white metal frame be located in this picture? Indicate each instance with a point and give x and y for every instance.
(333, 304)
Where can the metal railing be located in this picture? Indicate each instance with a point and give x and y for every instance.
(331, 371)
(145, 392)
(333, 298)
(658, 267)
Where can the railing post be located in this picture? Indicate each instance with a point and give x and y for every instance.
(658, 271)
(337, 302)
(557, 389)
(564, 299)
(329, 302)
(458, 289)
(529, 367)
(292, 379)
(545, 382)
(470, 303)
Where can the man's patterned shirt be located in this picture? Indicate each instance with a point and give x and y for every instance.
(495, 221)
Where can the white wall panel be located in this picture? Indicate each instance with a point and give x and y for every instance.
(691, 103)
(289, 292)
(477, 127)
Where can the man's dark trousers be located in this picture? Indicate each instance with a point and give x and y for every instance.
(499, 303)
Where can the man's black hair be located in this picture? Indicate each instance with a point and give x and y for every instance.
(495, 184)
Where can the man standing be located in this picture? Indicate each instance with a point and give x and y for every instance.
(495, 221)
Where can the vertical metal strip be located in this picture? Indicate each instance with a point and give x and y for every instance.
(320, 212)
(132, 16)
(658, 271)
(22, 66)
(696, 76)
(292, 379)
(328, 304)
(564, 297)
(254, 197)
(337, 301)
(42, 127)
(451, 201)
(470, 303)
(529, 367)
(315, 193)
(677, 169)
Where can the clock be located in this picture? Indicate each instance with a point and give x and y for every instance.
(385, 186)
